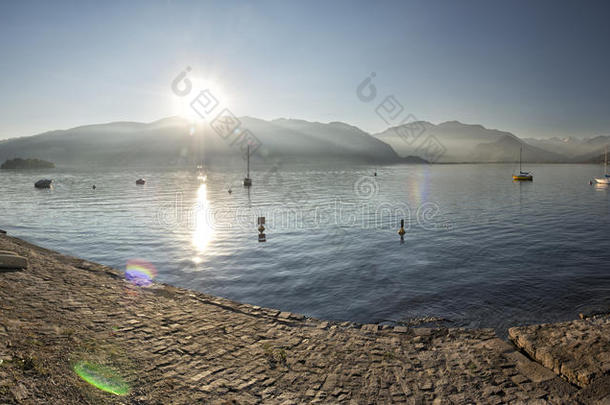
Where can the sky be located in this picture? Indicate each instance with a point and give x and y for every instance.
(534, 68)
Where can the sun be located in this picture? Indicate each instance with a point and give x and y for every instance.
(210, 94)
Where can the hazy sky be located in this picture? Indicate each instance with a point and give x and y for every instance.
(535, 68)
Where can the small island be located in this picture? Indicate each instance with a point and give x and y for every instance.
(414, 159)
(19, 163)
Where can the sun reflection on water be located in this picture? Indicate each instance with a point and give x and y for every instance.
(204, 231)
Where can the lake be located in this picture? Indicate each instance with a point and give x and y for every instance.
(479, 251)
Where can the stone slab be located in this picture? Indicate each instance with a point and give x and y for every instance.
(12, 261)
(578, 350)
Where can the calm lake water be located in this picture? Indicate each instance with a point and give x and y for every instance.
(479, 250)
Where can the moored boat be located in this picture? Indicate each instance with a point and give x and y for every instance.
(43, 183)
(606, 178)
(522, 176)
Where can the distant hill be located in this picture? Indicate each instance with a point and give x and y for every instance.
(575, 149)
(592, 157)
(414, 159)
(464, 143)
(458, 139)
(173, 141)
(19, 163)
(506, 149)
(291, 137)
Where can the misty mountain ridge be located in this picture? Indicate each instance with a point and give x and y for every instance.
(459, 140)
(576, 149)
(507, 149)
(175, 140)
(477, 144)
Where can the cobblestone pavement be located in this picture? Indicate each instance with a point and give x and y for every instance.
(172, 345)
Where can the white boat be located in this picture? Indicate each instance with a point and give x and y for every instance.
(606, 178)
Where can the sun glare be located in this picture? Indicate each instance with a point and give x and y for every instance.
(204, 231)
(181, 105)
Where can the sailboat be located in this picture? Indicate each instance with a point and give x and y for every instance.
(247, 179)
(201, 173)
(606, 178)
(522, 176)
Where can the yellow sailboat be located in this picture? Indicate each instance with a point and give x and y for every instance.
(522, 176)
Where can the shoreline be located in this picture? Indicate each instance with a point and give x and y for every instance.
(172, 345)
(373, 164)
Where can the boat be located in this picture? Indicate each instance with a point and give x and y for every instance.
(247, 179)
(606, 178)
(140, 182)
(522, 176)
(43, 183)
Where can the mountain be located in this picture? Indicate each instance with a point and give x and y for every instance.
(598, 156)
(292, 137)
(506, 149)
(458, 140)
(175, 140)
(576, 149)
(463, 143)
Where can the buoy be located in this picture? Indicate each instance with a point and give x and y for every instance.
(230, 191)
(375, 174)
(590, 182)
(93, 187)
(401, 231)
(261, 236)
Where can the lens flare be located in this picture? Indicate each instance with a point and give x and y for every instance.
(140, 272)
(101, 377)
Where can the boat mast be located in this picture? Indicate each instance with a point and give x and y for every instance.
(606, 161)
(520, 150)
(248, 175)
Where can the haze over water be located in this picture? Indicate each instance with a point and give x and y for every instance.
(480, 250)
